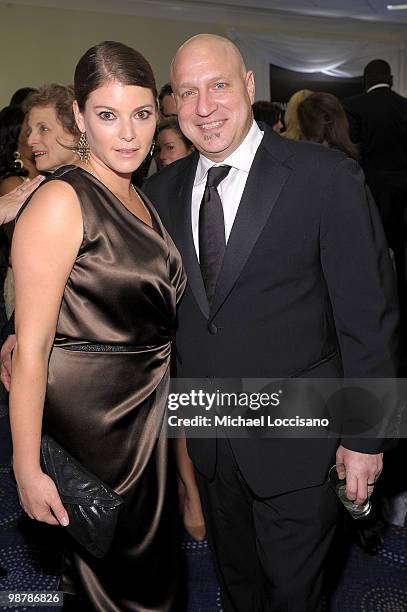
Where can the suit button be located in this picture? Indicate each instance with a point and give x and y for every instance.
(212, 329)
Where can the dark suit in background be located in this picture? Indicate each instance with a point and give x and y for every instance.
(306, 289)
(378, 122)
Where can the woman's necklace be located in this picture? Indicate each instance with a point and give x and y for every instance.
(92, 171)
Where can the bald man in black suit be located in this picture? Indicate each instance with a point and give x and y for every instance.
(303, 287)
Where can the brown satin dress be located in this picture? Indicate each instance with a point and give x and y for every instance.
(106, 395)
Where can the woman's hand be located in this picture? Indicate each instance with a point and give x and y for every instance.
(39, 498)
(191, 512)
(5, 360)
(11, 203)
(189, 501)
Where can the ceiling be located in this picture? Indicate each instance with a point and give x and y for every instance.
(374, 10)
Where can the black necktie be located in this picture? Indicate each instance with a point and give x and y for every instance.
(212, 241)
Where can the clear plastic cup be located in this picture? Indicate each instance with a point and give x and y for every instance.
(337, 479)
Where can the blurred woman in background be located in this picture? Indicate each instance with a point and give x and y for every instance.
(16, 158)
(16, 166)
(52, 131)
(291, 117)
(171, 144)
(322, 119)
(18, 98)
(51, 137)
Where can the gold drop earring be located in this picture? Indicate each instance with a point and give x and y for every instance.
(18, 162)
(82, 148)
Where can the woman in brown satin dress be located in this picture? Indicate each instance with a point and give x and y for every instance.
(97, 281)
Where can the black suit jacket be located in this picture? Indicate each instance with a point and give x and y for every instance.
(306, 289)
(378, 122)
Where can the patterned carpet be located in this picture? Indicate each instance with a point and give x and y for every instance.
(364, 583)
(374, 583)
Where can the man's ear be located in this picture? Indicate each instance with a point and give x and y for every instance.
(78, 117)
(250, 85)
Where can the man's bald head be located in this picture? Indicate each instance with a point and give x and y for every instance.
(214, 92)
(214, 44)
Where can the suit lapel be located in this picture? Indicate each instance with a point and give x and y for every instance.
(266, 179)
(182, 231)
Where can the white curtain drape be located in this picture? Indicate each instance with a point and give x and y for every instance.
(339, 58)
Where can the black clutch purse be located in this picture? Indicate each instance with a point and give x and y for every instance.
(92, 506)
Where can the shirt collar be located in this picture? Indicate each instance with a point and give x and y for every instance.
(241, 158)
(377, 86)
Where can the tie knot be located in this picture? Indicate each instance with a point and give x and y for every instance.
(216, 174)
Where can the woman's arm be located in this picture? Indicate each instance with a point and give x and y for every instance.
(190, 502)
(47, 238)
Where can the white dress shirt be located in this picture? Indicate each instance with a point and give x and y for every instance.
(377, 86)
(231, 188)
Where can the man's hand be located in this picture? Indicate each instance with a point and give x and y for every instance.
(5, 358)
(362, 471)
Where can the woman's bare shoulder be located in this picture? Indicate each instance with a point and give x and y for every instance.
(54, 199)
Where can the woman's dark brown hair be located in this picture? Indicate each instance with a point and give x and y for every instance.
(61, 97)
(322, 119)
(111, 61)
(11, 122)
